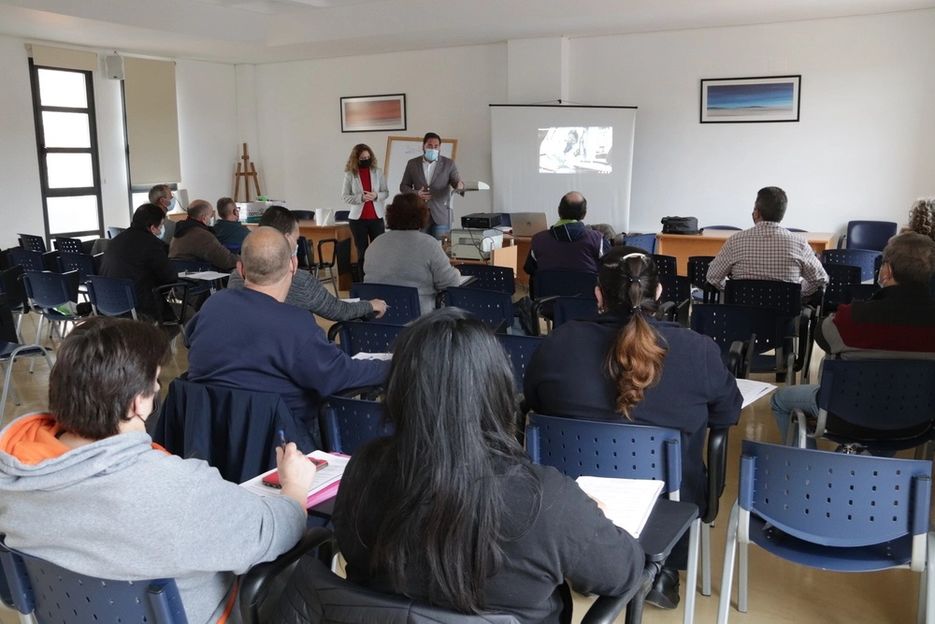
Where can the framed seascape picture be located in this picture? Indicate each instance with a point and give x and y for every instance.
(371, 113)
(750, 100)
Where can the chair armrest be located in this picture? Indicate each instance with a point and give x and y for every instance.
(537, 307)
(160, 292)
(334, 330)
(717, 469)
(735, 359)
(369, 392)
(254, 584)
(605, 609)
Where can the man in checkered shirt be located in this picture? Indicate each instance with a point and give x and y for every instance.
(768, 251)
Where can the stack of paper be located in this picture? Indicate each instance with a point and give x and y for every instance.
(207, 276)
(363, 355)
(751, 391)
(324, 487)
(627, 502)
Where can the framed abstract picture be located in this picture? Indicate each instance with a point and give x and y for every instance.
(750, 100)
(373, 113)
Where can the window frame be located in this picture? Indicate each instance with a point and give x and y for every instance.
(42, 151)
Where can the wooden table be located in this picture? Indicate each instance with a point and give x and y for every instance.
(709, 243)
(502, 257)
(523, 245)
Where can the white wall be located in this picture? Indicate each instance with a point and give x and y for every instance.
(208, 145)
(864, 148)
(299, 126)
(21, 206)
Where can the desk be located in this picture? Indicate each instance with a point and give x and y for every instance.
(502, 257)
(523, 245)
(709, 243)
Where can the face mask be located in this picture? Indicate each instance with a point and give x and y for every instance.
(172, 205)
(431, 155)
(364, 163)
(162, 231)
(212, 221)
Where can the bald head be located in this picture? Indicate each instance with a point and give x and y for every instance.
(573, 206)
(266, 257)
(200, 210)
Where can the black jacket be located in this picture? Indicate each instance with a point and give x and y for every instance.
(566, 377)
(138, 255)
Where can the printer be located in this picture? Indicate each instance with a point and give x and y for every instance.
(475, 244)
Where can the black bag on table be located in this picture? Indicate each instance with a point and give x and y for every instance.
(680, 225)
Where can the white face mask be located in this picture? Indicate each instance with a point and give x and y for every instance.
(212, 221)
(172, 205)
(431, 155)
(162, 231)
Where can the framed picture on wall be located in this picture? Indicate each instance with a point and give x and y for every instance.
(373, 113)
(401, 149)
(750, 100)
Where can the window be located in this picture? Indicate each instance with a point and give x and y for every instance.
(66, 138)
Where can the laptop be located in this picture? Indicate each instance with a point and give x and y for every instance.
(528, 223)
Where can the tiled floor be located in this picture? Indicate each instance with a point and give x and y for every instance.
(779, 591)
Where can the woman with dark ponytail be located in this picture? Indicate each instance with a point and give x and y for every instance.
(624, 365)
(449, 510)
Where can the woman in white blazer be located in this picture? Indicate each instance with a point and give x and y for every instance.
(365, 192)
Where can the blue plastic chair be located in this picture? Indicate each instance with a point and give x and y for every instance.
(861, 292)
(304, 215)
(841, 279)
(85, 264)
(566, 309)
(733, 329)
(13, 290)
(364, 336)
(402, 301)
(69, 245)
(733, 228)
(646, 242)
(866, 259)
(833, 511)
(489, 277)
(882, 405)
(778, 329)
(46, 292)
(869, 234)
(112, 296)
(622, 450)
(341, 215)
(698, 276)
(556, 283)
(112, 232)
(11, 348)
(520, 350)
(675, 299)
(32, 243)
(493, 307)
(55, 594)
(28, 259)
(347, 424)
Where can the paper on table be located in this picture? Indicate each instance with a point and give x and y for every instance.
(464, 279)
(363, 355)
(751, 390)
(324, 477)
(351, 300)
(627, 502)
(208, 276)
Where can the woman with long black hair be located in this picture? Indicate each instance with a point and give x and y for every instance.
(624, 365)
(450, 511)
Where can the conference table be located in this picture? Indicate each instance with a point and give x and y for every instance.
(709, 243)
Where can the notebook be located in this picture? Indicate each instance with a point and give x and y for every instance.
(628, 503)
(528, 223)
(324, 487)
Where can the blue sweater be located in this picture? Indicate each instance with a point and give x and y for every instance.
(246, 339)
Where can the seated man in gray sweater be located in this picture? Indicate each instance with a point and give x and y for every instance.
(85, 488)
(306, 291)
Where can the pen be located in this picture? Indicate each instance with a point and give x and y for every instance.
(282, 438)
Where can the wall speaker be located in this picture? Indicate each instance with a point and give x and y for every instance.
(113, 67)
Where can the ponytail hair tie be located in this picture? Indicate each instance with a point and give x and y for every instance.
(636, 308)
(633, 279)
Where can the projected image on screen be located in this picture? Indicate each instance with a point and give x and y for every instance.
(575, 149)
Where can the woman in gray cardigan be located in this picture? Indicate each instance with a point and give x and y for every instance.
(365, 192)
(85, 488)
(406, 256)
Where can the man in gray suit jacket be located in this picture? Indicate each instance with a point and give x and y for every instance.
(432, 176)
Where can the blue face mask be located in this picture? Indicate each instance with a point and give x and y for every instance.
(162, 231)
(431, 155)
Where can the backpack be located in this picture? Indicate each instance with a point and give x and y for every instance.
(680, 225)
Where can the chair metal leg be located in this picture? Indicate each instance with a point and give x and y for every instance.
(706, 559)
(19, 326)
(7, 380)
(691, 581)
(742, 571)
(727, 576)
(32, 364)
(926, 611)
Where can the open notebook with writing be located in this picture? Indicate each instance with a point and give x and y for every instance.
(324, 487)
(627, 502)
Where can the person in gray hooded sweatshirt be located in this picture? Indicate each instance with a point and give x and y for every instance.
(84, 486)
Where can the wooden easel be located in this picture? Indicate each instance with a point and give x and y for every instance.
(246, 170)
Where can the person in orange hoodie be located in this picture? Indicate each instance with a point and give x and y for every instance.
(84, 486)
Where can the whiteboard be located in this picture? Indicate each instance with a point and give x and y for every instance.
(400, 150)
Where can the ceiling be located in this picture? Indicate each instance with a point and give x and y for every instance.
(264, 31)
